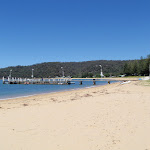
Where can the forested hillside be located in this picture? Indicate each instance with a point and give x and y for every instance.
(73, 69)
(138, 67)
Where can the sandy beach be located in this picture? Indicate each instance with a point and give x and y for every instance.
(111, 117)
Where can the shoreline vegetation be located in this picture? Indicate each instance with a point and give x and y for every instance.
(110, 117)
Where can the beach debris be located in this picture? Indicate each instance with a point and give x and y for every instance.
(25, 105)
(125, 82)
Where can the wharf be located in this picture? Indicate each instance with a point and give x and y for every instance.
(52, 81)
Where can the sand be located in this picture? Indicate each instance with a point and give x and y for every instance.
(110, 117)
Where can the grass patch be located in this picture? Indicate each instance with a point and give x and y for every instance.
(145, 82)
(133, 76)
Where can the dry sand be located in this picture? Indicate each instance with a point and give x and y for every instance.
(111, 117)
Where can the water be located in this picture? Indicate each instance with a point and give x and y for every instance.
(19, 90)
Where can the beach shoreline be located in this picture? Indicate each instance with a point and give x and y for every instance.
(20, 94)
(49, 92)
(36, 94)
(113, 116)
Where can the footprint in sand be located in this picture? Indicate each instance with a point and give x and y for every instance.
(25, 105)
(87, 95)
(53, 99)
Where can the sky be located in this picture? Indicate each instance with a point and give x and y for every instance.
(35, 31)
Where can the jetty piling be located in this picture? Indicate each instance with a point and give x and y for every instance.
(94, 82)
(80, 82)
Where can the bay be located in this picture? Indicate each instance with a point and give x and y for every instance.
(8, 91)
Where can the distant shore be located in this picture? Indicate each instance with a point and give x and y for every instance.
(110, 117)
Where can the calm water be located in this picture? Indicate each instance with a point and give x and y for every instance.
(19, 90)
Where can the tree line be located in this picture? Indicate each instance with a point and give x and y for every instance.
(137, 67)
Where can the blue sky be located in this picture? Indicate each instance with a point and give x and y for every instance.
(35, 31)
